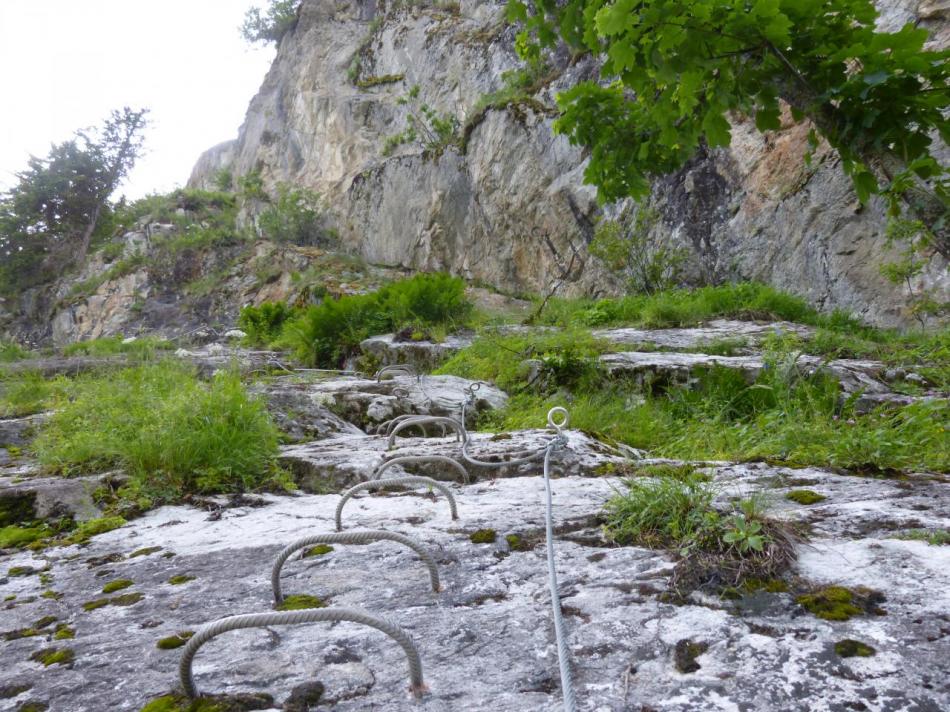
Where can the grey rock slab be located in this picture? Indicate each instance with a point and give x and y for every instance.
(852, 374)
(20, 431)
(749, 333)
(53, 497)
(340, 462)
(367, 402)
(299, 412)
(421, 355)
(486, 640)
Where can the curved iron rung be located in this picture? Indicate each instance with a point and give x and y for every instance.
(459, 429)
(410, 480)
(407, 459)
(354, 537)
(311, 615)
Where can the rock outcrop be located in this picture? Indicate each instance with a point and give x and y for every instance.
(507, 204)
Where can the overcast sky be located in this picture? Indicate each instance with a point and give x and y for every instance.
(68, 63)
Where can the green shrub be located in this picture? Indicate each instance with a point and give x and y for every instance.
(269, 25)
(296, 216)
(171, 432)
(263, 323)
(326, 334)
(627, 247)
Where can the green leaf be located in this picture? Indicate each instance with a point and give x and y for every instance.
(768, 119)
(717, 129)
(864, 185)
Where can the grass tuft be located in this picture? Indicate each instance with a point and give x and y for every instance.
(171, 432)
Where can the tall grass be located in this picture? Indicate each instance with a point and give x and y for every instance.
(172, 433)
(328, 333)
(688, 307)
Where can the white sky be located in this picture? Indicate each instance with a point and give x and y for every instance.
(68, 63)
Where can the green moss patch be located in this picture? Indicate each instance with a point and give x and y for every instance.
(174, 641)
(145, 552)
(86, 530)
(849, 648)
(834, 603)
(300, 601)
(215, 703)
(117, 585)
(22, 571)
(14, 537)
(483, 536)
(32, 706)
(53, 656)
(126, 599)
(52, 595)
(20, 633)
(14, 690)
(685, 654)
(805, 497)
(64, 632)
(318, 550)
(180, 579)
(518, 543)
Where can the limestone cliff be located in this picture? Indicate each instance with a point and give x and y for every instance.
(509, 206)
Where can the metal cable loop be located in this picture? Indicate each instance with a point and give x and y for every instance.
(427, 420)
(258, 620)
(411, 459)
(410, 480)
(354, 537)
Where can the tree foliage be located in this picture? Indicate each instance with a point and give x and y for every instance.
(59, 201)
(674, 71)
(270, 24)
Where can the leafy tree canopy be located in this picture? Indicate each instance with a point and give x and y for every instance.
(58, 201)
(271, 23)
(674, 70)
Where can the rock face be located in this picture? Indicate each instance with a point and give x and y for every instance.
(486, 640)
(508, 205)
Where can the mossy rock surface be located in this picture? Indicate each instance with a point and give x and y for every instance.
(181, 579)
(849, 648)
(836, 603)
(516, 542)
(64, 632)
(685, 654)
(174, 641)
(318, 550)
(805, 497)
(483, 536)
(117, 585)
(215, 703)
(14, 690)
(54, 656)
(145, 551)
(299, 602)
